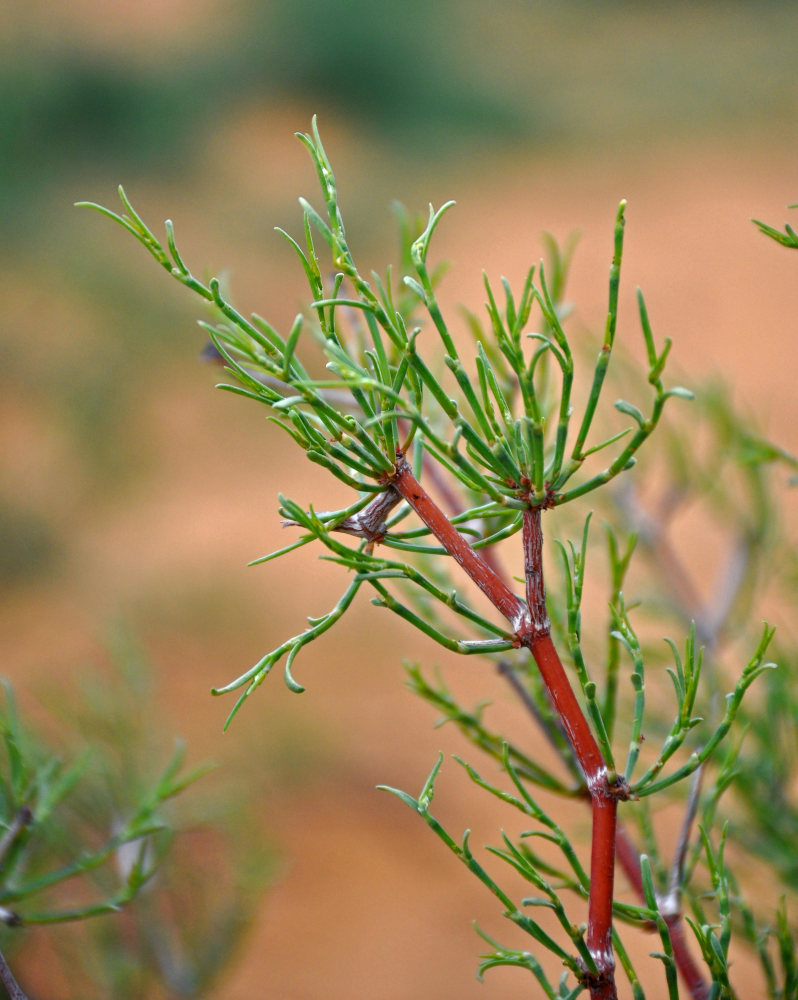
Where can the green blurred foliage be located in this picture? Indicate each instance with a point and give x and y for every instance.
(28, 544)
(99, 766)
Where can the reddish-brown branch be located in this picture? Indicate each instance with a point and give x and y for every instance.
(604, 806)
(530, 624)
(602, 883)
(452, 501)
(604, 802)
(489, 582)
(564, 700)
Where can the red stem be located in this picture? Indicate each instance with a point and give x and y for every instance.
(530, 624)
(604, 803)
(602, 890)
(450, 498)
(489, 582)
(538, 641)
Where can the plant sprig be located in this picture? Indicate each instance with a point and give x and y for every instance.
(507, 436)
(496, 433)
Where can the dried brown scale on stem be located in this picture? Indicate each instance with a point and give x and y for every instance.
(10, 918)
(369, 523)
(533, 572)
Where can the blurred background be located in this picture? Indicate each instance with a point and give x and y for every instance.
(132, 494)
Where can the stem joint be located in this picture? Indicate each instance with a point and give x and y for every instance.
(601, 982)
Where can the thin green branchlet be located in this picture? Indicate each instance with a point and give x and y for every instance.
(787, 238)
(496, 434)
